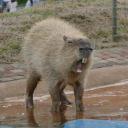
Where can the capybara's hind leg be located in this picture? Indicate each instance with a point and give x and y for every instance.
(32, 81)
(54, 90)
(63, 97)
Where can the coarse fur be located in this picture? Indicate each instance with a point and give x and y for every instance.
(51, 49)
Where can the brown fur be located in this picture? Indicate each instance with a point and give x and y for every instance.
(50, 50)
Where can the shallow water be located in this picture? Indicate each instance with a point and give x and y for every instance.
(108, 103)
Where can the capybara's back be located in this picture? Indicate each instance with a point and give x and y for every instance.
(45, 44)
(59, 53)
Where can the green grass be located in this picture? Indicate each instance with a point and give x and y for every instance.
(9, 52)
(12, 48)
(22, 2)
(95, 23)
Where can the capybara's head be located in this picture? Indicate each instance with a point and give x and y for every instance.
(81, 50)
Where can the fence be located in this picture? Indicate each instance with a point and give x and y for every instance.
(93, 17)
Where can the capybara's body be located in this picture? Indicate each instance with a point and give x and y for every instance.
(54, 50)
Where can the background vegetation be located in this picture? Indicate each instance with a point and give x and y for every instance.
(93, 17)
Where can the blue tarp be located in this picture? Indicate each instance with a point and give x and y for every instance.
(91, 123)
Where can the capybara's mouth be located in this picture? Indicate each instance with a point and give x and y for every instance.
(79, 64)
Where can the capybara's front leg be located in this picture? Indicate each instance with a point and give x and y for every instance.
(78, 91)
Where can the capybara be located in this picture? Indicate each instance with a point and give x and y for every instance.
(59, 53)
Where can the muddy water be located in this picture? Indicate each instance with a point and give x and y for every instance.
(108, 103)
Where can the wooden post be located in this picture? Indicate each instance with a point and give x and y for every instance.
(114, 19)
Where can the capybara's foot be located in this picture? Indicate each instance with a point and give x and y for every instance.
(64, 99)
(67, 102)
(55, 107)
(79, 107)
(54, 110)
(29, 102)
(29, 105)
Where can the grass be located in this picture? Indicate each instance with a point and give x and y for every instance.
(10, 51)
(92, 17)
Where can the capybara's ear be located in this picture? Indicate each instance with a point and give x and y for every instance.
(65, 38)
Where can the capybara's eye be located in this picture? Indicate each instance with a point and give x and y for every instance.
(81, 49)
(70, 42)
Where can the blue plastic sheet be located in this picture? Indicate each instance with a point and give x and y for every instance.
(91, 123)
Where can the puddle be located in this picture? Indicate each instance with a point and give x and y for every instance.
(104, 103)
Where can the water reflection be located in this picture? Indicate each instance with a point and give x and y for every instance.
(57, 118)
(103, 104)
(30, 118)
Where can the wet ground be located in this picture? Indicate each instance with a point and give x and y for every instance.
(102, 103)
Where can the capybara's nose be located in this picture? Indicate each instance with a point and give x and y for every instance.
(85, 49)
(85, 52)
(90, 49)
